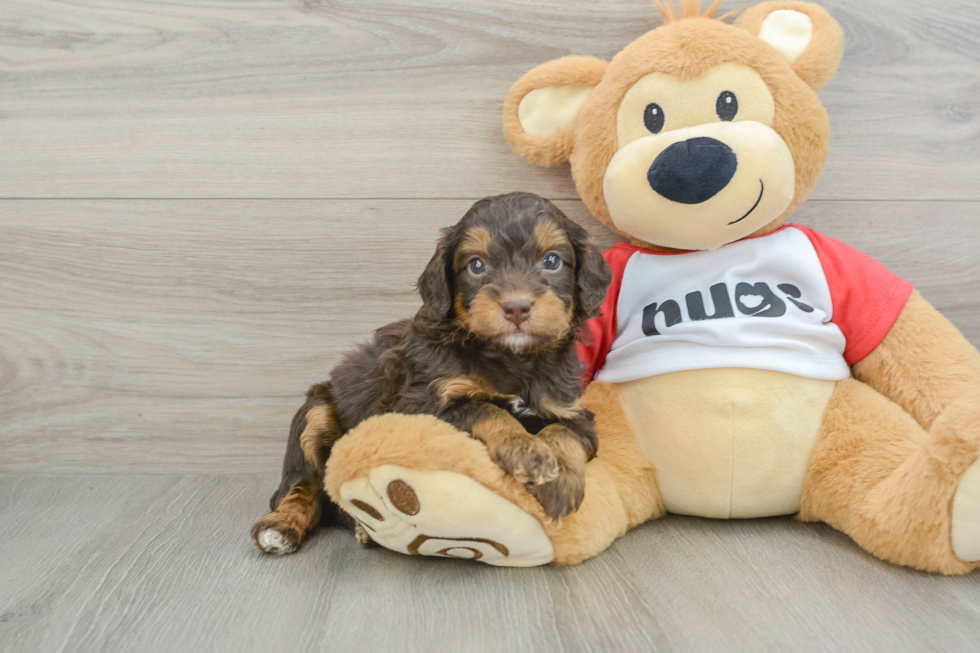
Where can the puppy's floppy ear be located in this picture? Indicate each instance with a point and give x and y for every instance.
(434, 284)
(810, 39)
(592, 273)
(541, 108)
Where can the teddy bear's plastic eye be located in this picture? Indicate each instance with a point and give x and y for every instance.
(727, 106)
(653, 118)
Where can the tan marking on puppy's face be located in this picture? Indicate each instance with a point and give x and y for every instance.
(476, 242)
(550, 237)
(462, 313)
(550, 316)
(549, 320)
(484, 318)
(517, 278)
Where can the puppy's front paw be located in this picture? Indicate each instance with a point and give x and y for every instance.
(562, 496)
(528, 459)
(270, 536)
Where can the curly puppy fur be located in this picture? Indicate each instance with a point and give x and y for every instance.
(492, 352)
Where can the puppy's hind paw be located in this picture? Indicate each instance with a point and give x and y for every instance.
(269, 535)
(270, 540)
(363, 536)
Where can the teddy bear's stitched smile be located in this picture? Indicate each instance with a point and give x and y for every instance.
(762, 189)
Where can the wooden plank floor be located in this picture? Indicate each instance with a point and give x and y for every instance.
(204, 204)
(163, 563)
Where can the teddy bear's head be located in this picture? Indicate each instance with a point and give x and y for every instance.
(697, 134)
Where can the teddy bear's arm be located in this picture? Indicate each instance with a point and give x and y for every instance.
(923, 364)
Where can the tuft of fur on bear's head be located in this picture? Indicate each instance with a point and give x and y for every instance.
(698, 133)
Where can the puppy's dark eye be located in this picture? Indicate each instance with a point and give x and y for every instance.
(477, 266)
(551, 261)
(726, 106)
(653, 118)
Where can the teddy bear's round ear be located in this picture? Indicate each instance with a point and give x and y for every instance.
(804, 33)
(541, 108)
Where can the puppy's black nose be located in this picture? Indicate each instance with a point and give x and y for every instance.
(516, 310)
(693, 171)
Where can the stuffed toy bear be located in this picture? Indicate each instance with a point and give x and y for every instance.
(743, 366)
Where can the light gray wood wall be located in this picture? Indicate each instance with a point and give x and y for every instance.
(202, 205)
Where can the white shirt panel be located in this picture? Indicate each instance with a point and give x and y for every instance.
(762, 327)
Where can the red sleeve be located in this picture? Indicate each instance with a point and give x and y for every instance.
(600, 332)
(867, 297)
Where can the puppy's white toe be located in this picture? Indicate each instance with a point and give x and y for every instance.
(271, 541)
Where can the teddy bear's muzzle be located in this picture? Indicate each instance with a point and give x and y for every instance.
(700, 187)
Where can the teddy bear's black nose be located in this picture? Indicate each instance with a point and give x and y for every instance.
(692, 171)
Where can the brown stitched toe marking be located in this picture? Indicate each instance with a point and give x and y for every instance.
(403, 497)
(446, 552)
(368, 509)
(413, 548)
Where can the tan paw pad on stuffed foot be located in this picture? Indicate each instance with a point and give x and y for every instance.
(966, 516)
(444, 514)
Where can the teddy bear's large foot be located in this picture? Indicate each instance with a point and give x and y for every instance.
(418, 486)
(962, 420)
(907, 495)
(966, 516)
(440, 513)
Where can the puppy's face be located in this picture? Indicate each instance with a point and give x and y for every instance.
(521, 275)
(515, 284)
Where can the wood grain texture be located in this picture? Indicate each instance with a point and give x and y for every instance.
(179, 336)
(174, 336)
(164, 563)
(373, 98)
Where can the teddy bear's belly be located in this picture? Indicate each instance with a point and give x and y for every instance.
(727, 442)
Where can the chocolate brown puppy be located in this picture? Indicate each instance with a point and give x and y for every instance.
(492, 351)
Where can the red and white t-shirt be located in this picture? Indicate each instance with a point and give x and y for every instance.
(791, 301)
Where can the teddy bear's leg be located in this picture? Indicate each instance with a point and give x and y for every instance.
(878, 476)
(419, 486)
